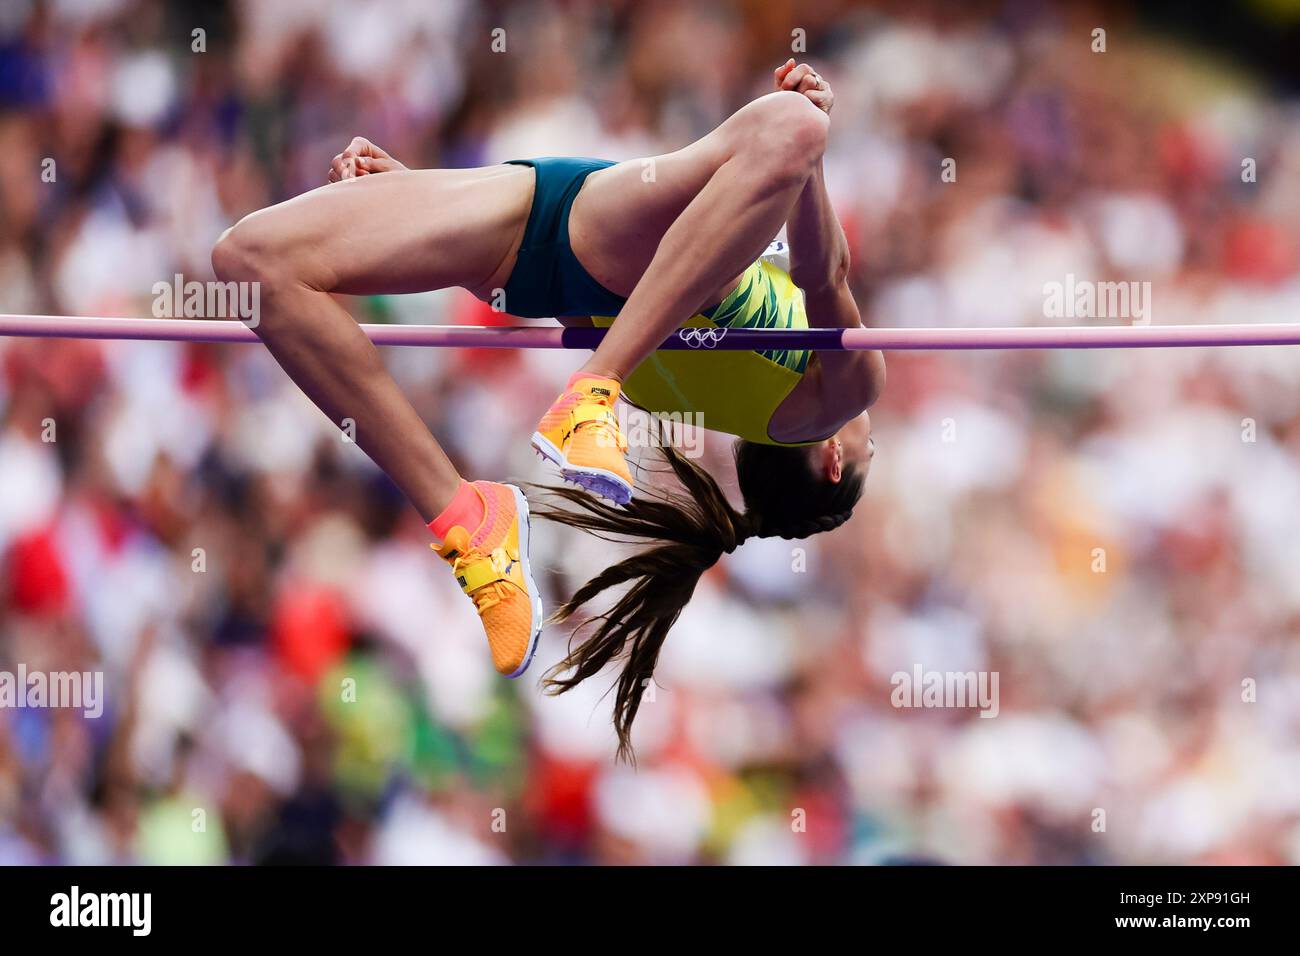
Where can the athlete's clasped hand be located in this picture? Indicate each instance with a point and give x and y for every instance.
(802, 78)
(361, 158)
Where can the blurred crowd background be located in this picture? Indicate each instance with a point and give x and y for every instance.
(1116, 534)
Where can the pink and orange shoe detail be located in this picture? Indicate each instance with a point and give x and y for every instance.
(491, 566)
(580, 435)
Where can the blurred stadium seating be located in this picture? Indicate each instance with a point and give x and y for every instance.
(199, 533)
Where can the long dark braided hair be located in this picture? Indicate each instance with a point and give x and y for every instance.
(784, 497)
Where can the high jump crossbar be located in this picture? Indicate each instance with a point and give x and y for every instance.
(557, 337)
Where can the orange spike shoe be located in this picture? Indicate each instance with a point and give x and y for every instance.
(580, 435)
(491, 566)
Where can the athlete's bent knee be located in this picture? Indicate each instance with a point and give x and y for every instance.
(242, 254)
(231, 261)
(258, 249)
(793, 135)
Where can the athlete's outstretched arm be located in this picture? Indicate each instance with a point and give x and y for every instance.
(819, 263)
(821, 271)
(819, 253)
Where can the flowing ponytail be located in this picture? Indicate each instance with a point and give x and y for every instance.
(690, 530)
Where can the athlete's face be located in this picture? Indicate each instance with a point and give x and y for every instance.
(852, 444)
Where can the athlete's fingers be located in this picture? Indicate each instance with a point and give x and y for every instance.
(822, 99)
(810, 82)
(342, 166)
(376, 164)
(780, 72)
(813, 81)
(795, 76)
(814, 85)
(361, 158)
(336, 168)
(360, 146)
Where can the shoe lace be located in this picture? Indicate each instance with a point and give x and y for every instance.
(493, 593)
(608, 434)
(488, 596)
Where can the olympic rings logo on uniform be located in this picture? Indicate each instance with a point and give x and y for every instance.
(701, 338)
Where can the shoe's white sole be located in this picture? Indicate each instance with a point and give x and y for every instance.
(521, 505)
(596, 480)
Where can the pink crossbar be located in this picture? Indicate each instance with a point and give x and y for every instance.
(556, 337)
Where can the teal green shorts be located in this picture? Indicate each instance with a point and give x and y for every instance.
(547, 280)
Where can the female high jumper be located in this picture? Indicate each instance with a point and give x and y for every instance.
(660, 243)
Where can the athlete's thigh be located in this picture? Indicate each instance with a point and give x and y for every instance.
(622, 212)
(404, 231)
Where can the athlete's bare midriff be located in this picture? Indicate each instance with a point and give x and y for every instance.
(618, 270)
